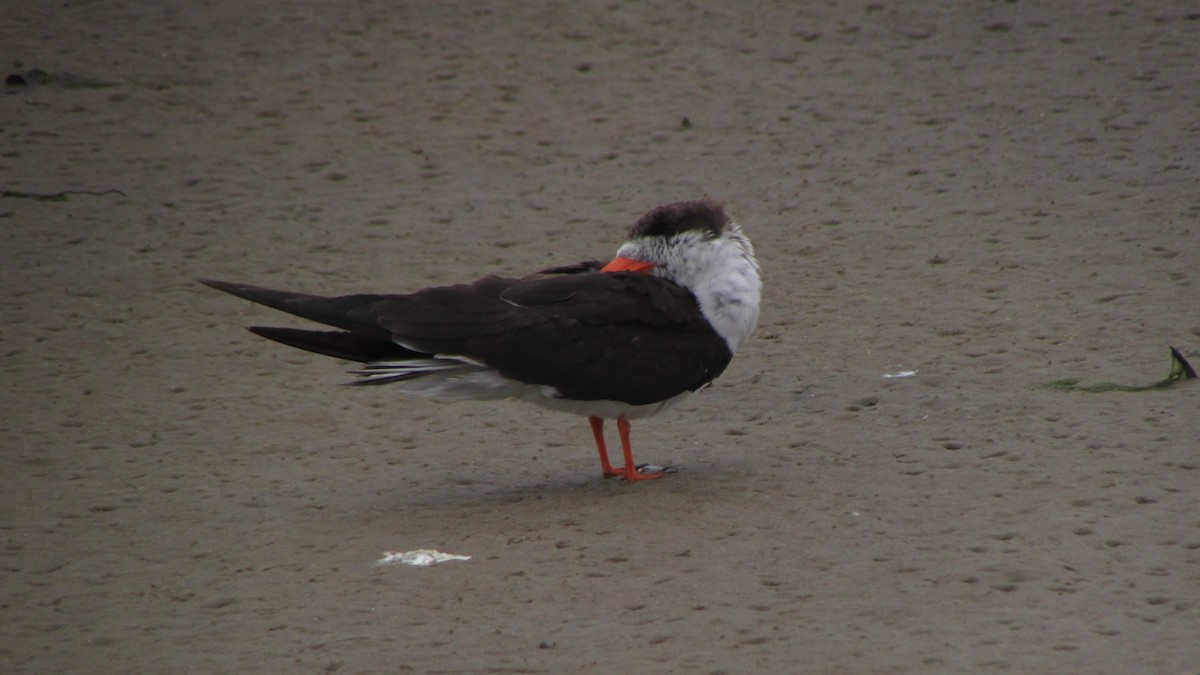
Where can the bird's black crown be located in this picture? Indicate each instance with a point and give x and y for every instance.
(705, 216)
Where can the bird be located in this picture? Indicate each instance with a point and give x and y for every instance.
(620, 340)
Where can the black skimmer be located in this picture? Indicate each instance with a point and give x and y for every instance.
(623, 340)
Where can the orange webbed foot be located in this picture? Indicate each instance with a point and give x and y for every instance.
(629, 471)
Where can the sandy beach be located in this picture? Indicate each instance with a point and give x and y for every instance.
(982, 197)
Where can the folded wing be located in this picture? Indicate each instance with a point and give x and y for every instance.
(624, 337)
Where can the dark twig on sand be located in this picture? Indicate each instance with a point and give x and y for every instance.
(56, 196)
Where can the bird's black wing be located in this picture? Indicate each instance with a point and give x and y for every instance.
(591, 336)
(361, 339)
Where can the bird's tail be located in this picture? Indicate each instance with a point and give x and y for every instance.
(358, 340)
(338, 344)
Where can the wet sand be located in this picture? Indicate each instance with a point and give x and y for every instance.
(994, 196)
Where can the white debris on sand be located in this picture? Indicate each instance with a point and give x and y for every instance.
(423, 557)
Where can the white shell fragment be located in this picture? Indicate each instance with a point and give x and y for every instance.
(902, 373)
(422, 557)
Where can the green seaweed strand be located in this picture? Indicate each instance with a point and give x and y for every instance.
(1180, 370)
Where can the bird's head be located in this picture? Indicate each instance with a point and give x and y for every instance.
(683, 242)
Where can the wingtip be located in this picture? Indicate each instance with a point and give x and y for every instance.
(245, 291)
(214, 283)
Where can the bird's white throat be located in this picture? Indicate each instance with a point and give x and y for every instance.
(721, 272)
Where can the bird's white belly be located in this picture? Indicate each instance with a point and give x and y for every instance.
(472, 382)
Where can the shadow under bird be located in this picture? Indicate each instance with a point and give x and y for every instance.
(622, 340)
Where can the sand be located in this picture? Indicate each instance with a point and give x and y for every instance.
(995, 195)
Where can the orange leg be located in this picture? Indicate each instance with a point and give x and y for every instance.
(631, 472)
(605, 465)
